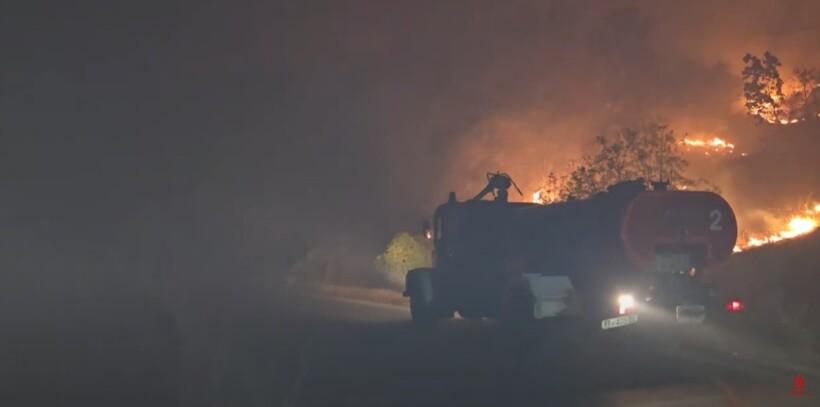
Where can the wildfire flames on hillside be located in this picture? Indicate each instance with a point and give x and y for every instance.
(771, 119)
(709, 146)
(782, 110)
(748, 132)
(793, 225)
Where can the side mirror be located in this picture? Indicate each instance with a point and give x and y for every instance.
(427, 230)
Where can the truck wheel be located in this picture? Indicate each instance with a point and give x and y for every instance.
(419, 284)
(516, 309)
(523, 338)
(421, 312)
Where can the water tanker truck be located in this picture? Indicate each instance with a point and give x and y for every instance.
(631, 252)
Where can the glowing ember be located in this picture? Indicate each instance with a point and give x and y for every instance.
(716, 144)
(797, 224)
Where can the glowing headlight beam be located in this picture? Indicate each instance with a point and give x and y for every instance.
(625, 302)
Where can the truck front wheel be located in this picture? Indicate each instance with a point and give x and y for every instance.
(419, 287)
(422, 313)
(516, 307)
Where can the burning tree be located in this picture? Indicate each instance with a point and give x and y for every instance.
(763, 90)
(806, 98)
(650, 152)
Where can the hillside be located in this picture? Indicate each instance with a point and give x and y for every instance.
(779, 285)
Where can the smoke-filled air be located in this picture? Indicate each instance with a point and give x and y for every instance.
(214, 158)
(525, 87)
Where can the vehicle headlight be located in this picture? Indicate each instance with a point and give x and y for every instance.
(626, 302)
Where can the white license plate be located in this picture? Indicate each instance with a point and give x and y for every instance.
(690, 314)
(671, 263)
(619, 321)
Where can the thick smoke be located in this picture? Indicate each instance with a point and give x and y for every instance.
(441, 92)
(176, 151)
(260, 129)
(524, 86)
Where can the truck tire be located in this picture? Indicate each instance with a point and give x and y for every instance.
(421, 313)
(516, 308)
(419, 285)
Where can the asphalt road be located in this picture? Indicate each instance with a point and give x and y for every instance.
(263, 346)
(338, 352)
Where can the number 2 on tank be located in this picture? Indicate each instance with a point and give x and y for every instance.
(715, 216)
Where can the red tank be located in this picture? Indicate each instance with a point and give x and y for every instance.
(677, 218)
(628, 228)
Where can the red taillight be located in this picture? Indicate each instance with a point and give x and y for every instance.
(734, 306)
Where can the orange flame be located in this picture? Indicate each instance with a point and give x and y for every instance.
(716, 144)
(772, 118)
(797, 224)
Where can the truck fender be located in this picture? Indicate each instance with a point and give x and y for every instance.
(550, 296)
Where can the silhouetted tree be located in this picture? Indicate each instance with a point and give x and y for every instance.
(658, 156)
(806, 99)
(551, 191)
(650, 151)
(763, 88)
(582, 183)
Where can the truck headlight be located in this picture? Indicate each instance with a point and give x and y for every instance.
(626, 303)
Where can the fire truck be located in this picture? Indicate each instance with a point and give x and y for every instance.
(637, 251)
